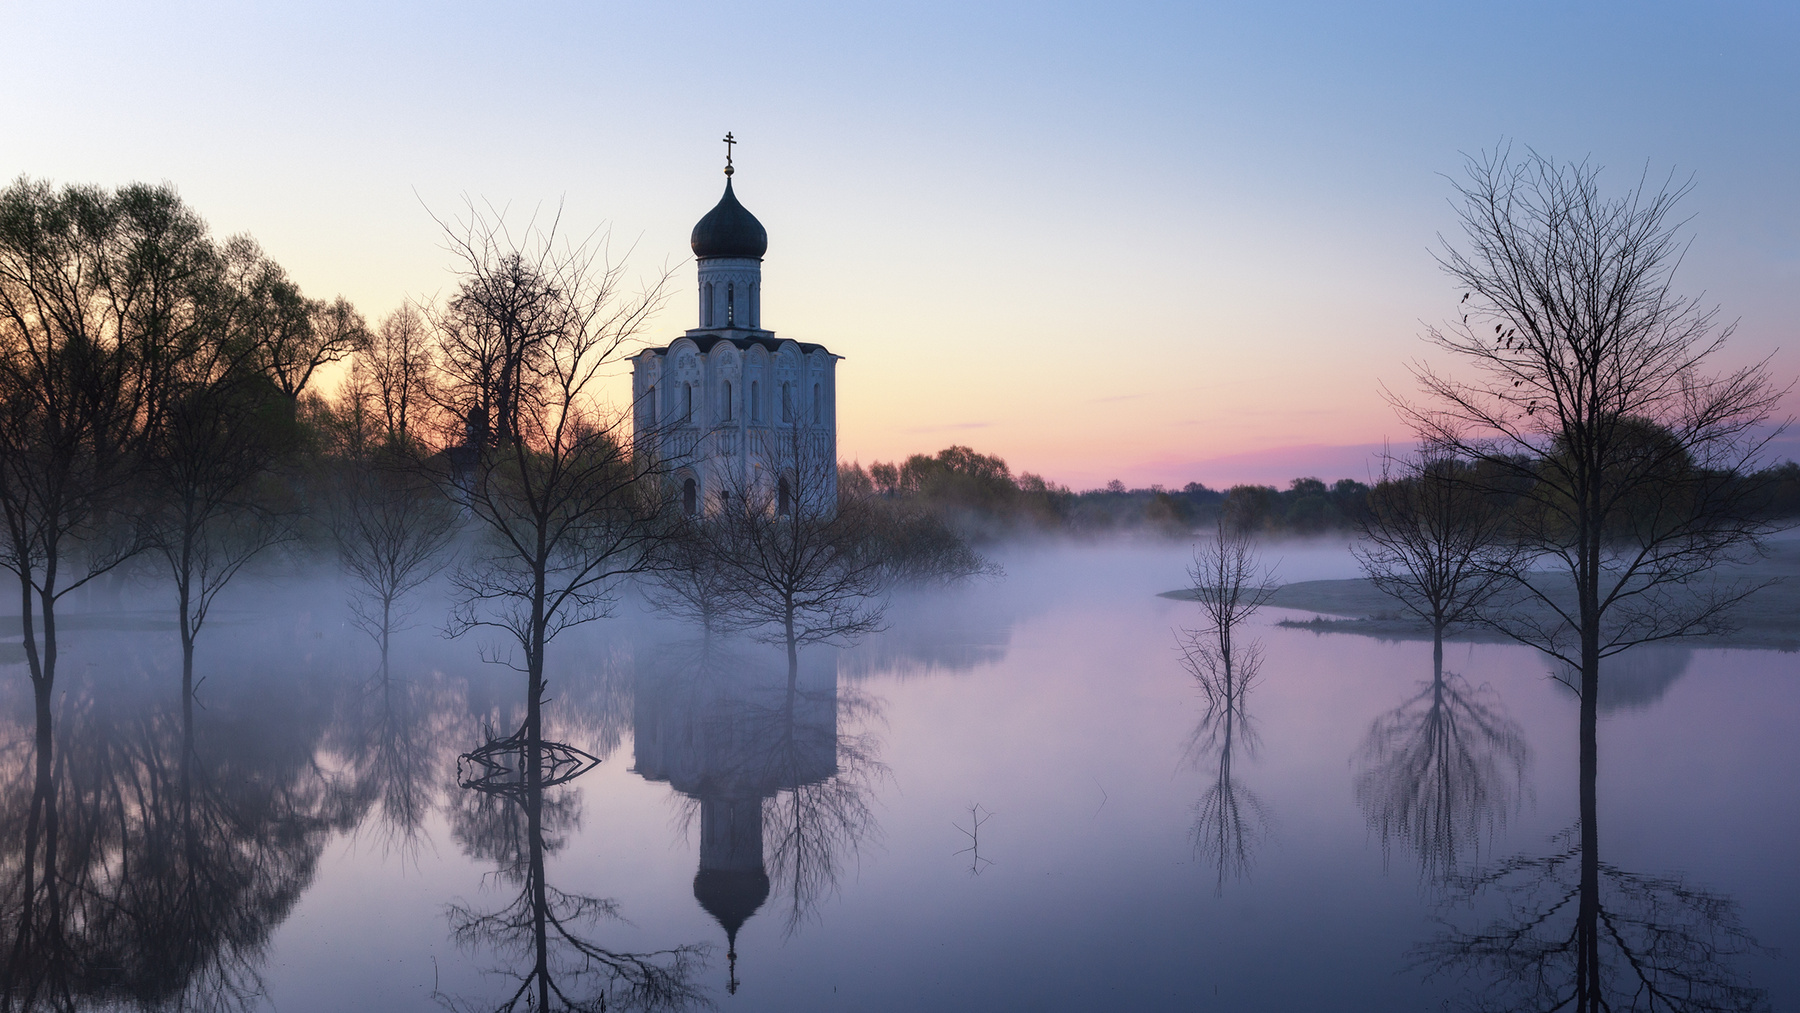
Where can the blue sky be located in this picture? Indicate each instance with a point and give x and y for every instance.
(1142, 241)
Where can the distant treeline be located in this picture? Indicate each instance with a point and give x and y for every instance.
(979, 495)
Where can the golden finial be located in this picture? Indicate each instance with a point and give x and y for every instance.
(729, 141)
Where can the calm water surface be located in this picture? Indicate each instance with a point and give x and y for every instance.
(1012, 799)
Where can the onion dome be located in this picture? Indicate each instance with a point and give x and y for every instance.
(729, 230)
(731, 897)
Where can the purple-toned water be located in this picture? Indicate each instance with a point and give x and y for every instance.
(1118, 862)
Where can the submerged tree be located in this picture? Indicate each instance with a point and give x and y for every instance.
(81, 270)
(1436, 542)
(1628, 463)
(215, 503)
(393, 525)
(1230, 584)
(549, 931)
(565, 506)
(785, 560)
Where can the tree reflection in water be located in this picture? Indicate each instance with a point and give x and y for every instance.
(1230, 820)
(782, 797)
(178, 849)
(392, 733)
(506, 816)
(1442, 771)
(1572, 932)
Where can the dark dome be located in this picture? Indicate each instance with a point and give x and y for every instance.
(728, 230)
(731, 897)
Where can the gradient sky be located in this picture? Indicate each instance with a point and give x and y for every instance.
(1160, 243)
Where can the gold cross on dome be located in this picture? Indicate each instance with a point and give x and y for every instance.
(729, 141)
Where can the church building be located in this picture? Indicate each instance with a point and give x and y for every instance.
(733, 410)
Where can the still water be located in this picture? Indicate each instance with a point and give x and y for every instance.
(1014, 798)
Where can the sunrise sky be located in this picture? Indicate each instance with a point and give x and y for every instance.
(1154, 243)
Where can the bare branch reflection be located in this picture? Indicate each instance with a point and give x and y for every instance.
(1230, 820)
(177, 851)
(1576, 933)
(1441, 772)
(505, 815)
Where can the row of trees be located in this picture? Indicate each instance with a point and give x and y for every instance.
(978, 494)
(156, 404)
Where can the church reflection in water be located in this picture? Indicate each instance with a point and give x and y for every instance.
(781, 795)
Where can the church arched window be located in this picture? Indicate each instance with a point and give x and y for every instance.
(784, 497)
(725, 414)
(730, 304)
(818, 404)
(650, 401)
(690, 497)
(708, 322)
(755, 402)
(687, 402)
(787, 402)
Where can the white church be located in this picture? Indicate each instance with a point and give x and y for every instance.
(734, 410)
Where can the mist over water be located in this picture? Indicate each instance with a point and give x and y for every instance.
(1007, 799)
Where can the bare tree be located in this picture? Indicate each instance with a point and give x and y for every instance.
(1230, 584)
(802, 567)
(1435, 542)
(395, 365)
(1592, 405)
(565, 506)
(214, 504)
(392, 524)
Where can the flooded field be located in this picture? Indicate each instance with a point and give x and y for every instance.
(1015, 797)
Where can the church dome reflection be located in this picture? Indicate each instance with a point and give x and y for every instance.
(731, 733)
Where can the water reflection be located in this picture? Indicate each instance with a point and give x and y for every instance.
(1569, 931)
(1230, 820)
(393, 734)
(1634, 680)
(154, 866)
(515, 811)
(782, 796)
(1580, 934)
(1441, 771)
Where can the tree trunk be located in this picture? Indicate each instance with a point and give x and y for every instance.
(534, 786)
(1588, 992)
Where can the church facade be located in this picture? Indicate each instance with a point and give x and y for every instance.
(731, 409)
